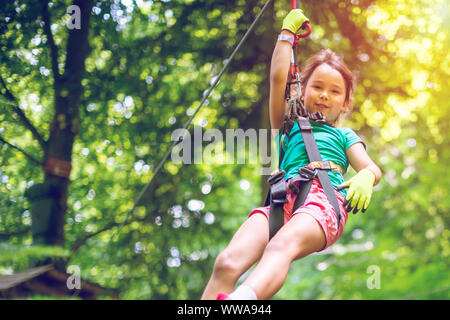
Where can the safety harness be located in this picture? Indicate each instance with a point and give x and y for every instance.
(297, 112)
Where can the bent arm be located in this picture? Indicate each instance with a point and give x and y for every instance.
(359, 159)
(279, 70)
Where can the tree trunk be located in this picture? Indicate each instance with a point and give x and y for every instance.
(65, 125)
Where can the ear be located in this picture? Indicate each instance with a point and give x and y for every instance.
(346, 104)
(346, 107)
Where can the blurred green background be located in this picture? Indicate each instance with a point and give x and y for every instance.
(147, 66)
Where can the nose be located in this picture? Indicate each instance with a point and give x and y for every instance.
(323, 95)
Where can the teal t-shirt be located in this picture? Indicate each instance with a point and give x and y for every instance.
(331, 142)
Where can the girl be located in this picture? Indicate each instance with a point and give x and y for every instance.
(327, 86)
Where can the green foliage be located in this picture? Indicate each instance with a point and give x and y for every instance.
(146, 73)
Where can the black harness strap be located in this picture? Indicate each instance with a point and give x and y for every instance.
(305, 177)
(277, 199)
(314, 155)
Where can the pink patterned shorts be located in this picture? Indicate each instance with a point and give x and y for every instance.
(317, 206)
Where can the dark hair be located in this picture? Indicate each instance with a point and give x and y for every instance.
(335, 61)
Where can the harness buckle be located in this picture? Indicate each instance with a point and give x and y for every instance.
(307, 173)
(304, 175)
(278, 187)
(276, 176)
(318, 117)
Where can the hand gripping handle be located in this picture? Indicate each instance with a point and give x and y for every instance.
(295, 4)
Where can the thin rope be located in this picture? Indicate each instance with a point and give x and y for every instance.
(205, 97)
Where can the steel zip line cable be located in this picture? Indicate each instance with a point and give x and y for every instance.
(205, 97)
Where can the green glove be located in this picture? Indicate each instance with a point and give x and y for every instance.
(294, 20)
(360, 191)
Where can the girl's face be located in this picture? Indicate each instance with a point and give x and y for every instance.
(325, 92)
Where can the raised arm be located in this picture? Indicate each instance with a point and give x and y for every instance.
(279, 67)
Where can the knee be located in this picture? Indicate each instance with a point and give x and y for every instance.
(276, 244)
(281, 244)
(226, 265)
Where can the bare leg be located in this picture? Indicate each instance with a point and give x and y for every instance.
(301, 236)
(244, 249)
